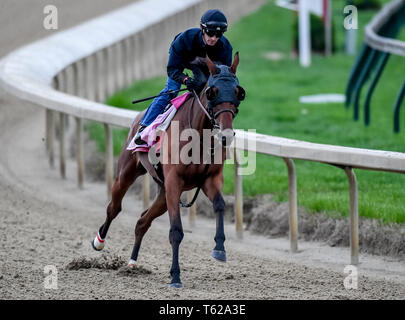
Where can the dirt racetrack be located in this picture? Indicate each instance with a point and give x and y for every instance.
(45, 220)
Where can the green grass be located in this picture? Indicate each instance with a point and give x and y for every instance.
(271, 107)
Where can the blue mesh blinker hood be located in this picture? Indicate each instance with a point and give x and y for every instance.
(226, 83)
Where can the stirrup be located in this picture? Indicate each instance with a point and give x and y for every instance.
(138, 140)
(167, 107)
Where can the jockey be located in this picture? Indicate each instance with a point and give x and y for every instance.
(187, 47)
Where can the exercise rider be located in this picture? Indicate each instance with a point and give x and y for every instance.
(188, 46)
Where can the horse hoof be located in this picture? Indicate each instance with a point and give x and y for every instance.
(98, 243)
(131, 263)
(94, 247)
(177, 285)
(219, 255)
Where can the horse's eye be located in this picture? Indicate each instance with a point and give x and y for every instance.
(211, 92)
(240, 93)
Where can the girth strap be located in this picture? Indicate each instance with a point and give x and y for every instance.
(143, 157)
(188, 205)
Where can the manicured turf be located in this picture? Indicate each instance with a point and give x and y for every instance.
(271, 107)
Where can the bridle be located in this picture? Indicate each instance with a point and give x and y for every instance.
(209, 112)
(216, 114)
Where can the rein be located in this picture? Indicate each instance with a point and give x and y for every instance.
(212, 119)
(212, 116)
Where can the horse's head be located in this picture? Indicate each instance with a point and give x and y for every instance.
(224, 95)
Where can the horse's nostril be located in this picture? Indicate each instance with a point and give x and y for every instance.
(227, 140)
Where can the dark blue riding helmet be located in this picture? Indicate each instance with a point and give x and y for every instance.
(214, 20)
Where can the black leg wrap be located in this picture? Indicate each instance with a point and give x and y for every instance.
(135, 251)
(219, 203)
(219, 207)
(175, 235)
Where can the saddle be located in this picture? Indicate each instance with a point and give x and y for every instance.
(151, 134)
(154, 134)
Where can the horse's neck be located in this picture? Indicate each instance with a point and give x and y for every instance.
(199, 119)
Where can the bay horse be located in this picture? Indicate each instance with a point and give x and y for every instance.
(223, 95)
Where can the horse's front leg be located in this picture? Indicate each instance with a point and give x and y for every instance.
(173, 187)
(213, 190)
(128, 170)
(157, 209)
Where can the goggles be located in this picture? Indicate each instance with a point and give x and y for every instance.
(214, 28)
(212, 33)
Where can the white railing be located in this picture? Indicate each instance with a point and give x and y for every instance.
(377, 42)
(65, 72)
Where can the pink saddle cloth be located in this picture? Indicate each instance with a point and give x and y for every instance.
(149, 133)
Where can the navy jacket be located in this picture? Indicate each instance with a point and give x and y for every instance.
(188, 45)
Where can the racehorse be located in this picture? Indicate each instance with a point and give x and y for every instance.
(223, 96)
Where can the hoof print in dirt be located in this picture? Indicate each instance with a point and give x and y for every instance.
(105, 262)
(135, 270)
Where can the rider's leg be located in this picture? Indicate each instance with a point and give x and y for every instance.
(157, 107)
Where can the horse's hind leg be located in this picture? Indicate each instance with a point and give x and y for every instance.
(212, 189)
(157, 208)
(125, 178)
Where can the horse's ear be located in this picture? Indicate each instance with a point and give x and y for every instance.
(235, 63)
(211, 66)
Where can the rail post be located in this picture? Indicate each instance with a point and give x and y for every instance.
(354, 216)
(89, 66)
(79, 151)
(238, 206)
(292, 199)
(109, 163)
(146, 190)
(50, 136)
(62, 153)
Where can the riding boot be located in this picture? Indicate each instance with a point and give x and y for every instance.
(138, 139)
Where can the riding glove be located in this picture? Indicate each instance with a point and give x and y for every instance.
(191, 85)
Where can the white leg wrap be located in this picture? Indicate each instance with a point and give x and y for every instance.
(131, 263)
(98, 242)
